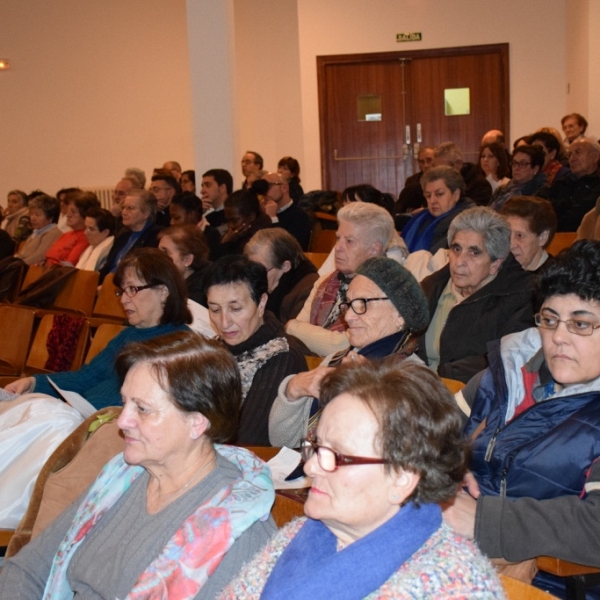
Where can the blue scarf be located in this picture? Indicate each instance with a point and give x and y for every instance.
(312, 567)
(418, 232)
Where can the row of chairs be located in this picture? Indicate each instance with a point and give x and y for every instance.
(24, 351)
(78, 296)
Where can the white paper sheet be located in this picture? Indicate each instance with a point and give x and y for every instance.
(77, 401)
(282, 465)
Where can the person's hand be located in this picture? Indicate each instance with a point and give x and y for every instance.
(460, 514)
(206, 204)
(234, 234)
(354, 358)
(307, 383)
(471, 484)
(115, 209)
(21, 386)
(270, 207)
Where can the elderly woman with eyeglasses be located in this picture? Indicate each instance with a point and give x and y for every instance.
(387, 450)
(534, 420)
(153, 294)
(383, 310)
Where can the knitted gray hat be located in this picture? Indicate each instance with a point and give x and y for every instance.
(399, 285)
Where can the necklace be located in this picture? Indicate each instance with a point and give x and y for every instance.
(195, 476)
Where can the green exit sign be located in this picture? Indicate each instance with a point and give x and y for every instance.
(417, 36)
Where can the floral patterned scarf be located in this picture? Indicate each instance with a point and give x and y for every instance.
(196, 548)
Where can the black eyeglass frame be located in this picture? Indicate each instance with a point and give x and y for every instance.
(344, 306)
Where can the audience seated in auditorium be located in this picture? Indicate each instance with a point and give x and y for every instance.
(236, 290)
(494, 164)
(67, 249)
(139, 231)
(527, 176)
(16, 207)
(290, 274)
(374, 526)
(252, 168)
(174, 169)
(186, 246)
(153, 295)
(43, 214)
(364, 230)
(444, 191)
(188, 181)
(532, 226)
(138, 175)
(118, 195)
(477, 188)
(534, 417)
(175, 515)
(554, 156)
(493, 136)
(62, 197)
(289, 169)
(164, 188)
(217, 186)
(481, 295)
(575, 193)
(99, 232)
(244, 218)
(283, 211)
(574, 127)
(384, 309)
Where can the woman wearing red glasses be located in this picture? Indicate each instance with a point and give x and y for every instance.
(387, 450)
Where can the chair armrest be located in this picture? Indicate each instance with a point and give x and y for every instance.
(563, 568)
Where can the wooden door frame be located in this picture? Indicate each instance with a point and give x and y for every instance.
(340, 59)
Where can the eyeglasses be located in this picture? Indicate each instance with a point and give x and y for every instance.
(127, 208)
(131, 290)
(522, 164)
(329, 460)
(358, 305)
(576, 326)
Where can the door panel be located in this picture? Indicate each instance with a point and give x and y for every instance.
(411, 85)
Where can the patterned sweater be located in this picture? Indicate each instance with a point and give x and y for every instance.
(447, 566)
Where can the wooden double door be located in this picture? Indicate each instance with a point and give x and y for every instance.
(376, 110)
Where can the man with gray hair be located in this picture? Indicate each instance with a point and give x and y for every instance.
(480, 296)
(576, 192)
(364, 230)
(478, 188)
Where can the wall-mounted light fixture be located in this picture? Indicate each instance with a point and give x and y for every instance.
(4, 64)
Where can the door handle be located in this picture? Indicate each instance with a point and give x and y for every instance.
(419, 133)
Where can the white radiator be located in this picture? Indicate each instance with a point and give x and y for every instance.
(104, 195)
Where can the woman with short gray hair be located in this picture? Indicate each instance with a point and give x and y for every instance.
(480, 296)
(444, 190)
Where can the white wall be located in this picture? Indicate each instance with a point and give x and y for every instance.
(95, 87)
(269, 94)
(535, 31)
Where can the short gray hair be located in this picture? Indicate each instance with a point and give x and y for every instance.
(147, 200)
(138, 175)
(451, 177)
(449, 151)
(375, 221)
(492, 227)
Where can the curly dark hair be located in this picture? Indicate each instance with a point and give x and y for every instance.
(575, 270)
(419, 422)
(199, 374)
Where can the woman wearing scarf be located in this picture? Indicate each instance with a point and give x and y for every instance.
(175, 515)
(388, 449)
(236, 290)
(384, 308)
(444, 190)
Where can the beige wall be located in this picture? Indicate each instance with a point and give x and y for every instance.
(100, 85)
(95, 87)
(535, 31)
